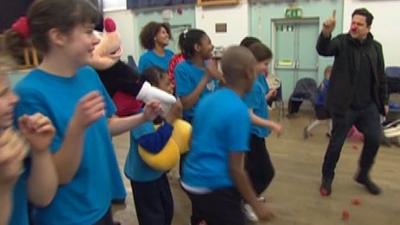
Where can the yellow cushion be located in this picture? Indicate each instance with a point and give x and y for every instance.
(182, 134)
(165, 160)
(169, 156)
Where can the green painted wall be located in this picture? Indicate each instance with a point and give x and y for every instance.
(261, 14)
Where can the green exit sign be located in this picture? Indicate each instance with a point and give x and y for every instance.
(294, 13)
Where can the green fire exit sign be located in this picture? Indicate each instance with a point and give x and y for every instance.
(294, 13)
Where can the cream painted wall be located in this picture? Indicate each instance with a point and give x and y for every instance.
(385, 26)
(110, 5)
(126, 27)
(236, 17)
(239, 23)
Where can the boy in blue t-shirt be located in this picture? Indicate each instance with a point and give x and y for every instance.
(321, 112)
(213, 172)
(258, 162)
(154, 37)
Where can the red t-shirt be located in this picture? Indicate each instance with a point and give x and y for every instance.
(176, 59)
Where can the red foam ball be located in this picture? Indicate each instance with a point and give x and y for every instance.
(356, 201)
(109, 25)
(345, 215)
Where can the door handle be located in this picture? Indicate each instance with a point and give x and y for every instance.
(297, 64)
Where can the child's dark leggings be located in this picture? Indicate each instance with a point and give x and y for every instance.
(153, 201)
(258, 164)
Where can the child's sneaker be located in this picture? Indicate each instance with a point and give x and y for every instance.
(249, 213)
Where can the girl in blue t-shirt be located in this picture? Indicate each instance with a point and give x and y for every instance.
(150, 187)
(198, 74)
(72, 96)
(155, 37)
(17, 185)
(258, 163)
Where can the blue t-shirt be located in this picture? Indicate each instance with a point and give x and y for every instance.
(188, 76)
(19, 214)
(221, 126)
(322, 93)
(255, 100)
(135, 168)
(150, 58)
(87, 197)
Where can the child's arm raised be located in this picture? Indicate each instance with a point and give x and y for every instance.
(242, 183)
(119, 125)
(43, 181)
(68, 158)
(190, 99)
(156, 141)
(326, 46)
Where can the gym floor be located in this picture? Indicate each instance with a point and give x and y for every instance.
(293, 195)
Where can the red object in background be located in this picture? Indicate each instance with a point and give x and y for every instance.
(176, 59)
(179, 10)
(345, 215)
(126, 104)
(356, 201)
(355, 135)
(109, 25)
(21, 26)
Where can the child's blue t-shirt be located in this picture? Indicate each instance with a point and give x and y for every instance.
(221, 126)
(187, 77)
(135, 168)
(87, 197)
(255, 100)
(150, 58)
(19, 213)
(322, 93)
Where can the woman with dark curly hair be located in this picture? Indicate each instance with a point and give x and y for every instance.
(155, 37)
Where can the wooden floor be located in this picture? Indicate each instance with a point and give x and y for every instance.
(293, 194)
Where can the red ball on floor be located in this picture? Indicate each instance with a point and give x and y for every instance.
(345, 215)
(356, 201)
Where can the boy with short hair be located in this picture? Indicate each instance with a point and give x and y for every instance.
(213, 172)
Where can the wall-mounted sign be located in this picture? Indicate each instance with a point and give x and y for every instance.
(293, 13)
(220, 28)
(217, 2)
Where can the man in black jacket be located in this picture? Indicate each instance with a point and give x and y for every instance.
(356, 96)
